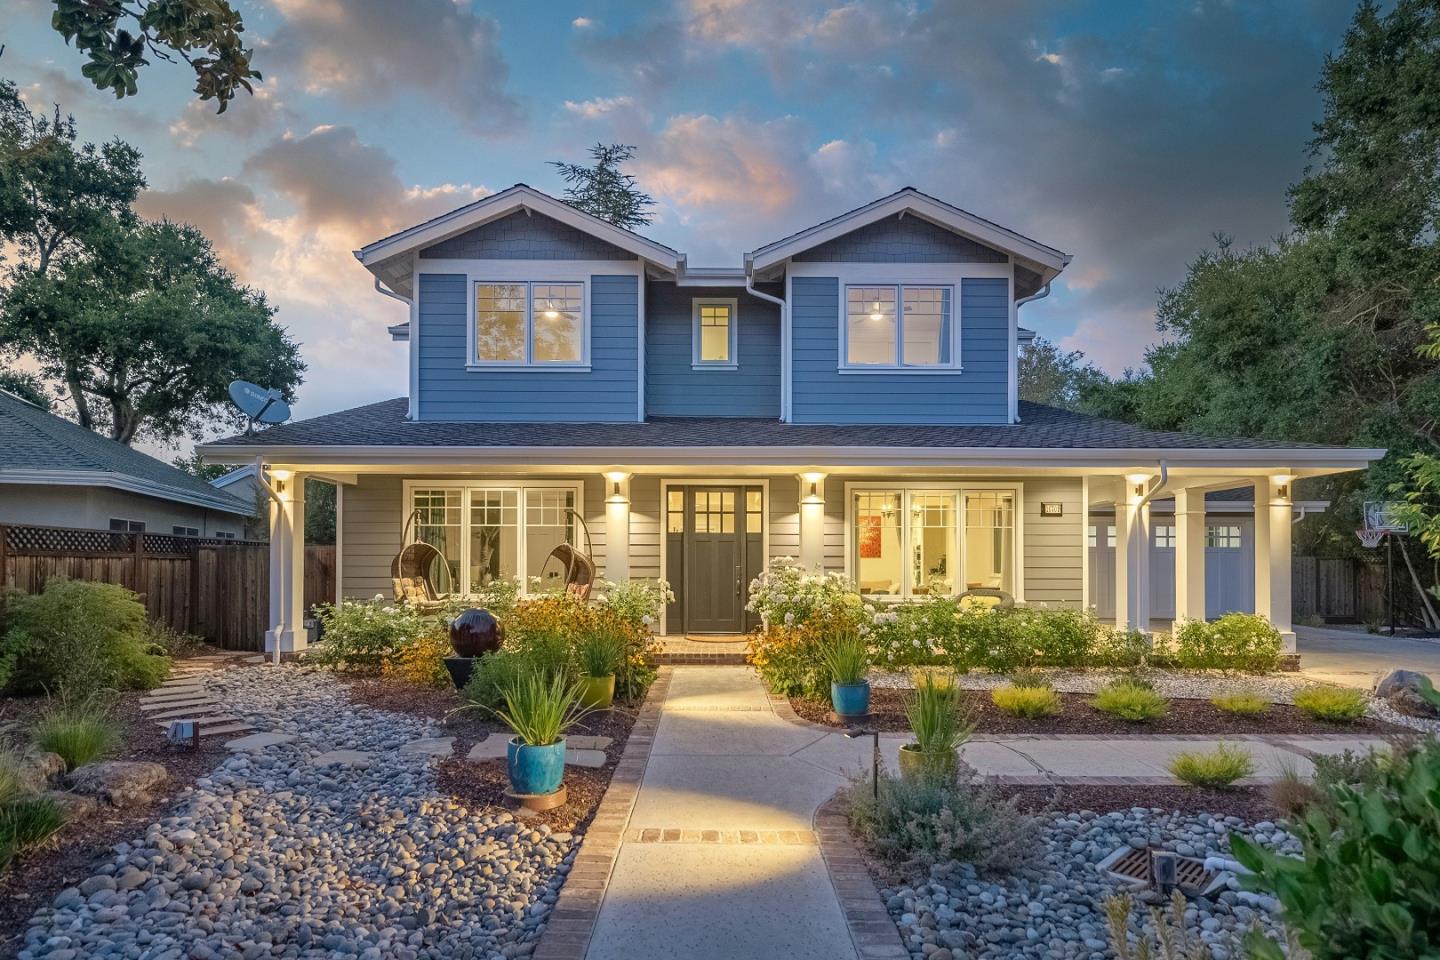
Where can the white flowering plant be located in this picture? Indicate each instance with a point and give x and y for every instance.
(638, 601)
(784, 594)
(366, 633)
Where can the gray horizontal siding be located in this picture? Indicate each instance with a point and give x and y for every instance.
(978, 393)
(525, 236)
(905, 239)
(673, 388)
(605, 392)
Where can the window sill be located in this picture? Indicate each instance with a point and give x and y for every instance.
(530, 367)
(714, 366)
(923, 371)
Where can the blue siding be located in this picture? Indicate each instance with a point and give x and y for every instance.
(976, 394)
(607, 392)
(521, 236)
(901, 240)
(673, 389)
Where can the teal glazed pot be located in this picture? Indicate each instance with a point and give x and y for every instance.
(850, 699)
(535, 770)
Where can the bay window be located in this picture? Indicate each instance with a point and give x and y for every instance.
(530, 324)
(901, 327)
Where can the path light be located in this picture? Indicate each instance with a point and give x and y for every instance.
(855, 733)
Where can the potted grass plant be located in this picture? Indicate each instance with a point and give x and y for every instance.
(599, 653)
(846, 659)
(939, 727)
(538, 709)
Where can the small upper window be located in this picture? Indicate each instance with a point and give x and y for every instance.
(1223, 536)
(536, 324)
(714, 333)
(899, 327)
(1165, 536)
(180, 531)
(127, 526)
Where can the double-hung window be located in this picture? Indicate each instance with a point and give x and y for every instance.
(714, 334)
(900, 327)
(539, 324)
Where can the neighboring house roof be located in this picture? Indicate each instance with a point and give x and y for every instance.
(235, 476)
(1048, 260)
(381, 426)
(37, 447)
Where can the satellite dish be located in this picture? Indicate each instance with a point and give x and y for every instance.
(260, 404)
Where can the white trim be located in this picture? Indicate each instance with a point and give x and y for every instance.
(414, 339)
(466, 488)
(1013, 366)
(733, 362)
(953, 366)
(120, 481)
(339, 543)
(959, 488)
(868, 274)
(1085, 543)
(233, 477)
(667, 482)
(787, 374)
(529, 364)
(910, 201)
(640, 290)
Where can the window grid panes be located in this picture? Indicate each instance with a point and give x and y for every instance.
(494, 532)
(548, 523)
(754, 512)
(926, 327)
(714, 511)
(500, 322)
(494, 536)
(1223, 536)
(990, 540)
(932, 540)
(438, 523)
(879, 558)
(870, 326)
(919, 334)
(715, 323)
(557, 322)
(675, 511)
(530, 323)
(1165, 536)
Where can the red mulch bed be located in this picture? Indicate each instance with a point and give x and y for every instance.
(483, 784)
(1251, 804)
(887, 712)
(37, 875)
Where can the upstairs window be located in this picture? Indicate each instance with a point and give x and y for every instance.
(907, 326)
(530, 324)
(714, 333)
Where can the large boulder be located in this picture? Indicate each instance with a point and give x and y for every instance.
(1409, 692)
(39, 770)
(120, 783)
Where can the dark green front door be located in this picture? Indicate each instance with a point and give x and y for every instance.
(714, 544)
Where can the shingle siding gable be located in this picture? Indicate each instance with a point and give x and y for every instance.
(907, 239)
(521, 236)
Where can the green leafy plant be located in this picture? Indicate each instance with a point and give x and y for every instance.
(12, 784)
(1030, 678)
(935, 717)
(1031, 703)
(1236, 641)
(539, 708)
(845, 656)
(365, 634)
(600, 650)
(1365, 885)
(639, 602)
(1215, 769)
(1241, 704)
(78, 730)
(27, 822)
(1332, 704)
(1129, 702)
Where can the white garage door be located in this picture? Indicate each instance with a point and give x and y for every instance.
(1229, 567)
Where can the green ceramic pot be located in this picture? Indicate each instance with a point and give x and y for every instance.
(597, 693)
(915, 765)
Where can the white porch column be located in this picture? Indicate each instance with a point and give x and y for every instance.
(1189, 555)
(1132, 556)
(287, 565)
(1274, 508)
(812, 521)
(617, 525)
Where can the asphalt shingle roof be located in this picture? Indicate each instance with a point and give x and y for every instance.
(31, 439)
(384, 424)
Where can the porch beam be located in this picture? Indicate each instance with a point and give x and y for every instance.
(1273, 515)
(1189, 554)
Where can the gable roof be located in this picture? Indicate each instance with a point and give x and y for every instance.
(37, 447)
(1044, 259)
(388, 258)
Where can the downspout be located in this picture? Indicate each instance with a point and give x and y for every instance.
(270, 491)
(784, 338)
(1159, 484)
(1040, 294)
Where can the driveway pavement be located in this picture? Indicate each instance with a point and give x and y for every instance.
(1358, 659)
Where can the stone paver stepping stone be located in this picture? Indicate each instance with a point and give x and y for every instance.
(585, 758)
(177, 696)
(258, 740)
(430, 747)
(202, 720)
(491, 748)
(224, 728)
(204, 706)
(348, 758)
(585, 742)
(187, 704)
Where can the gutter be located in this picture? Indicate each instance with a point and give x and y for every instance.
(1040, 294)
(784, 343)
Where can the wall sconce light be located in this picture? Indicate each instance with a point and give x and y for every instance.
(1139, 489)
(1282, 490)
(813, 491)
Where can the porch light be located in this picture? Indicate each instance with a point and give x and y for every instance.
(1282, 486)
(875, 313)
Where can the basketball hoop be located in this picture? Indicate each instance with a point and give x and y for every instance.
(1370, 537)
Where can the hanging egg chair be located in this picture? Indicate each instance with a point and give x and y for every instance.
(420, 574)
(572, 566)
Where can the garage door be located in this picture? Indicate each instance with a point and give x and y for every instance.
(1229, 567)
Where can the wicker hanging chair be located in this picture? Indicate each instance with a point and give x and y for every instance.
(420, 574)
(574, 565)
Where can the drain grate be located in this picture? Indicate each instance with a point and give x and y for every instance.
(1133, 866)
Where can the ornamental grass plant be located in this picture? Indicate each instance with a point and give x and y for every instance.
(600, 650)
(1241, 704)
(1332, 704)
(539, 708)
(844, 655)
(78, 730)
(1130, 702)
(1216, 769)
(1030, 703)
(935, 716)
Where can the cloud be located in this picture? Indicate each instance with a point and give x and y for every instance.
(582, 23)
(599, 107)
(247, 117)
(364, 50)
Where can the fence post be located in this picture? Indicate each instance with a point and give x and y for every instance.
(4, 557)
(138, 551)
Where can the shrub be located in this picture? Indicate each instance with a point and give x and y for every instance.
(788, 661)
(1241, 704)
(490, 677)
(421, 660)
(1366, 884)
(1030, 678)
(12, 784)
(539, 708)
(78, 637)
(910, 634)
(1237, 641)
(1129, 701)
(1291, 794)
(1120, 648)
(1332, 704)
(26, 823)
(925, 821)
(638, 602)
(784, 595)
(1032, 703)
(934, 715)
(79, 731)
(1216, 769)
(365, 633)
(844, 655)
(168, 641)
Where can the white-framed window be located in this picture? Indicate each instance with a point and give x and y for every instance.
(714, 333)
(906, 326)
(918, 541)
(121, 525)
(1165, 535)
(493, 531)
(225, 535)
(183, 531)
(541, 324)
(1225, 536)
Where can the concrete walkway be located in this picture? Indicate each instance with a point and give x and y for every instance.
(1358, 659)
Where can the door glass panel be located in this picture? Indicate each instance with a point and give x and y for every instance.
(879, 565)
(494, 536)
(1165, 536)
(714, 511)
(437, 522)
(990, 540)
(675, 511)
(547, 525)
(932, 540)
(754, 512)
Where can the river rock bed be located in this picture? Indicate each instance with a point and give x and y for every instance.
(274, 855)
(1056, 910)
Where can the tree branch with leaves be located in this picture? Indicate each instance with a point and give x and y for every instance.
(605, 192)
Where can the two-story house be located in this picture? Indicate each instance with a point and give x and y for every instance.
(846, 396)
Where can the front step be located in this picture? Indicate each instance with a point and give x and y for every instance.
(701, 659)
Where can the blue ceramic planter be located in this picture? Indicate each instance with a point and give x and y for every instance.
(535, 770)
(850, 699)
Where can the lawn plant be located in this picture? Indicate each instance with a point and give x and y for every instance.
(1216, 769)
(1030, 703)
(1241, 704)
(1332, 704)
(1129, 701)
(79, 730)
(539, 708)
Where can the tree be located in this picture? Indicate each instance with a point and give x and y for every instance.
(196, 466)
(145, 329)
(116, 36)
(1055, 378)
(26, 386)
(603, 191)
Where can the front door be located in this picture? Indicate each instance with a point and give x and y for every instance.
(714, 547)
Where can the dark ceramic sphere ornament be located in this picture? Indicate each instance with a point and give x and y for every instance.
(475, 633)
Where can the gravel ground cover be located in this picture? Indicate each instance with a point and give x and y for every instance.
(279, 853)
(1055, 910)
(1200, 684)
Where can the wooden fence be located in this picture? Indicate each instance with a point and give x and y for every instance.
(219, 589)
(1349, 590)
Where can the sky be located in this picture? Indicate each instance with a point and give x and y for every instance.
(1125, 133)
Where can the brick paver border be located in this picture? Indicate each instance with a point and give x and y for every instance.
(871, 927)
(572, 922)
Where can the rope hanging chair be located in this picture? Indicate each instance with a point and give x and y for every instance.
(573, 564)
(418, 570)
